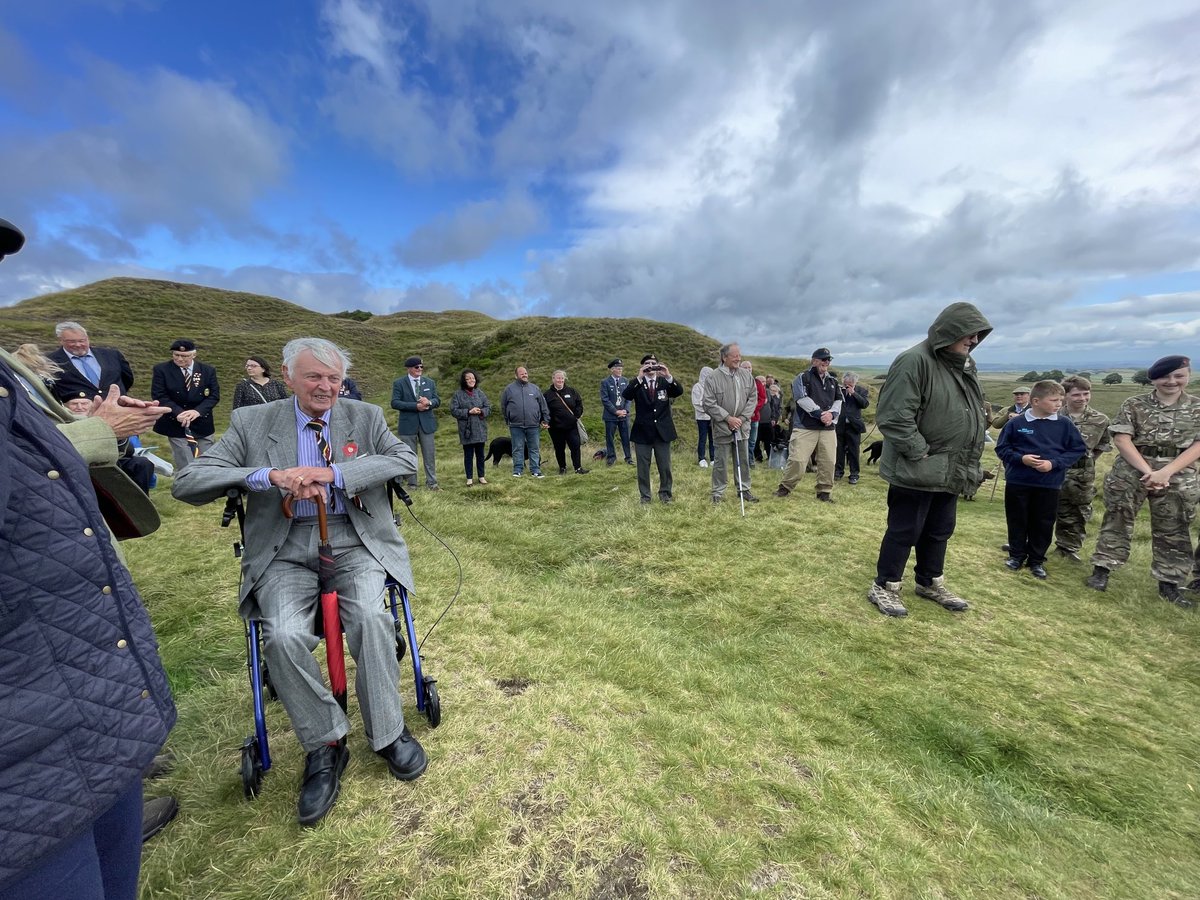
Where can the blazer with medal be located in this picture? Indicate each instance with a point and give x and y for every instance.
(201, 393)
(652, 423)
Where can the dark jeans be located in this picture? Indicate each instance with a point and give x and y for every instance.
(766, 439)
(611, 428)
(102, 863)
(473, 452)
(921, 519)
(704, 426)
(848, 450)
(1030, 513)
(562, 438)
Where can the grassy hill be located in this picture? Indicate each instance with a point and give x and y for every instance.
(722, 715)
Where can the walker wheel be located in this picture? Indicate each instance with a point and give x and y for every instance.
(252, 770)
(433, 706)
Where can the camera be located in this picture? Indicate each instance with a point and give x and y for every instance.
(656, 368)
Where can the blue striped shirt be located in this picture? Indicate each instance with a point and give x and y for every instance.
(307, 454)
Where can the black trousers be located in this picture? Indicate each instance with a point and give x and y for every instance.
(1030, 513)
(921, 519)
(138, 468)
(562, 438)
(848, 450)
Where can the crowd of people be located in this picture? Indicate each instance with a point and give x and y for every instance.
(306, 437)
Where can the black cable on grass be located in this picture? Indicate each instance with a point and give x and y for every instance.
(400, 492)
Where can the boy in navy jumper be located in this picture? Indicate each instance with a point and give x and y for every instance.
(1037, 447)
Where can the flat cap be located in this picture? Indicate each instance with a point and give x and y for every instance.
(1020, 389)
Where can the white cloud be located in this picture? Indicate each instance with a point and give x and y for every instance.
(470, 231)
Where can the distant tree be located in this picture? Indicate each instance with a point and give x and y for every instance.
(1141, 376)
(1031, 375)
(1113, 378)
(358, 315)
(1053, 375)
(1084, 374)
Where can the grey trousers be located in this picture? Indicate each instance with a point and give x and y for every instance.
(428, 456)
(181, 451)
(289, 601)
(720, 464)
(662, 456)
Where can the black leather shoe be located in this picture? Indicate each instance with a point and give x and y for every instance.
(824, 497)
(405, 758)
(1038, 571)
(156, 814)
(322, 781)
(1013, 563)
(1098, 580)
(749, 497)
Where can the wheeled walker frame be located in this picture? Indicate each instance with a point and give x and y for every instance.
(256, 753)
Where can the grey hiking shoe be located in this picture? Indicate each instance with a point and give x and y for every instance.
(941, 595)
(887, 598)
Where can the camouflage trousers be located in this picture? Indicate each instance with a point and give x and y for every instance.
(1074, 510)
(1171, 513)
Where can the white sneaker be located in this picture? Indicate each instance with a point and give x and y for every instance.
(704, 463)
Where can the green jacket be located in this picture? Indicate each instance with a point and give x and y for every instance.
(931, 411)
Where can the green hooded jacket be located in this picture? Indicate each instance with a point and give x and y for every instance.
(931, 411)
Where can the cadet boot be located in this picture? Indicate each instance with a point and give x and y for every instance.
(1068, 554)
(941, 595)
(1098, 580)
(1170, 593)
(1193, 586)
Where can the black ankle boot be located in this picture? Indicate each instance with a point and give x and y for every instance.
(1170, 593)
(1098, 580)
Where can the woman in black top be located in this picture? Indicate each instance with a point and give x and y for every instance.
(258, 386)
(566, 407)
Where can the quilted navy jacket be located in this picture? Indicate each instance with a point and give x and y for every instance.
(84, 702)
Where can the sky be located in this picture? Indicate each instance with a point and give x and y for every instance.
(787, 174)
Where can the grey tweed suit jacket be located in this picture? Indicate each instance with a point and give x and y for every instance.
(265, 435)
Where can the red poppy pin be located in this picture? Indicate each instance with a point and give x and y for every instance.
(350, 450)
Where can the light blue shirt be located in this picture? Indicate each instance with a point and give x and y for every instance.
(307, 454)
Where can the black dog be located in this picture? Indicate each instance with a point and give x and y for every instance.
(501, 447)
(874, 451)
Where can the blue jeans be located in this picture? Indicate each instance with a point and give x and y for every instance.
(753, 437)
(102, 863)
(526, 440)
(611, 428)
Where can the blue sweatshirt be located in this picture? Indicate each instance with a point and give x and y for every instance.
(1056, 439)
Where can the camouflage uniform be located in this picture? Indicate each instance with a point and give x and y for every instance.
(1075, 501)
(1160, 433)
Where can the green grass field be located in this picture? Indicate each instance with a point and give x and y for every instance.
(645, 702)
(679, 702)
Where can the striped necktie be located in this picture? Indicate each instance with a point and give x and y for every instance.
(317, 427)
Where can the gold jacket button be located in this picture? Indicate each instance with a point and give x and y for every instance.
(3, 392)
(53, 475)
(122, 644)
(107, 589)
(145, 695)
(88, 532)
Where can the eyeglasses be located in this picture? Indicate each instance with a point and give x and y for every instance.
(416, 367)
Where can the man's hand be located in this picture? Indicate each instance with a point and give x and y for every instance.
(304, 482)
(827, 418)
(187, 417)
(126, 416)
(422, 404)
(734, 423)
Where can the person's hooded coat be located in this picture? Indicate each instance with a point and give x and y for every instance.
(931, 409)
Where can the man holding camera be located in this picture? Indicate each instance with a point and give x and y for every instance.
(653, 429)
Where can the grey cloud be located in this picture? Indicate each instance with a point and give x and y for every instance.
(469, 231)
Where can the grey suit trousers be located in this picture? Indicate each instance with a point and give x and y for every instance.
(182, 453)
(289, 601)
(428, 456)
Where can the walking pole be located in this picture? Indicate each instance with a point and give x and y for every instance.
(737, 465)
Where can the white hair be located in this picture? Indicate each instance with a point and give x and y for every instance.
(325, 352)
(562, 372)
(68, 326)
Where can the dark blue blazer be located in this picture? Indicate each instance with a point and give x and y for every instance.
(653, 422)
(71, 383)
(613, 396)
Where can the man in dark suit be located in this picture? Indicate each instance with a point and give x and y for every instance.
(317, 448)
(616, 412)
(653, 429)
(87, 370)
(416, 397)
(190, 390)
(850, 427)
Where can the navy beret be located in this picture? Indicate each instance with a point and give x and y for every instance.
(1167, 365)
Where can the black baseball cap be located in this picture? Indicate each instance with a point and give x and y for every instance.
(822, 353)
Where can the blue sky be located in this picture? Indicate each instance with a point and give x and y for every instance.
(786, 174)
